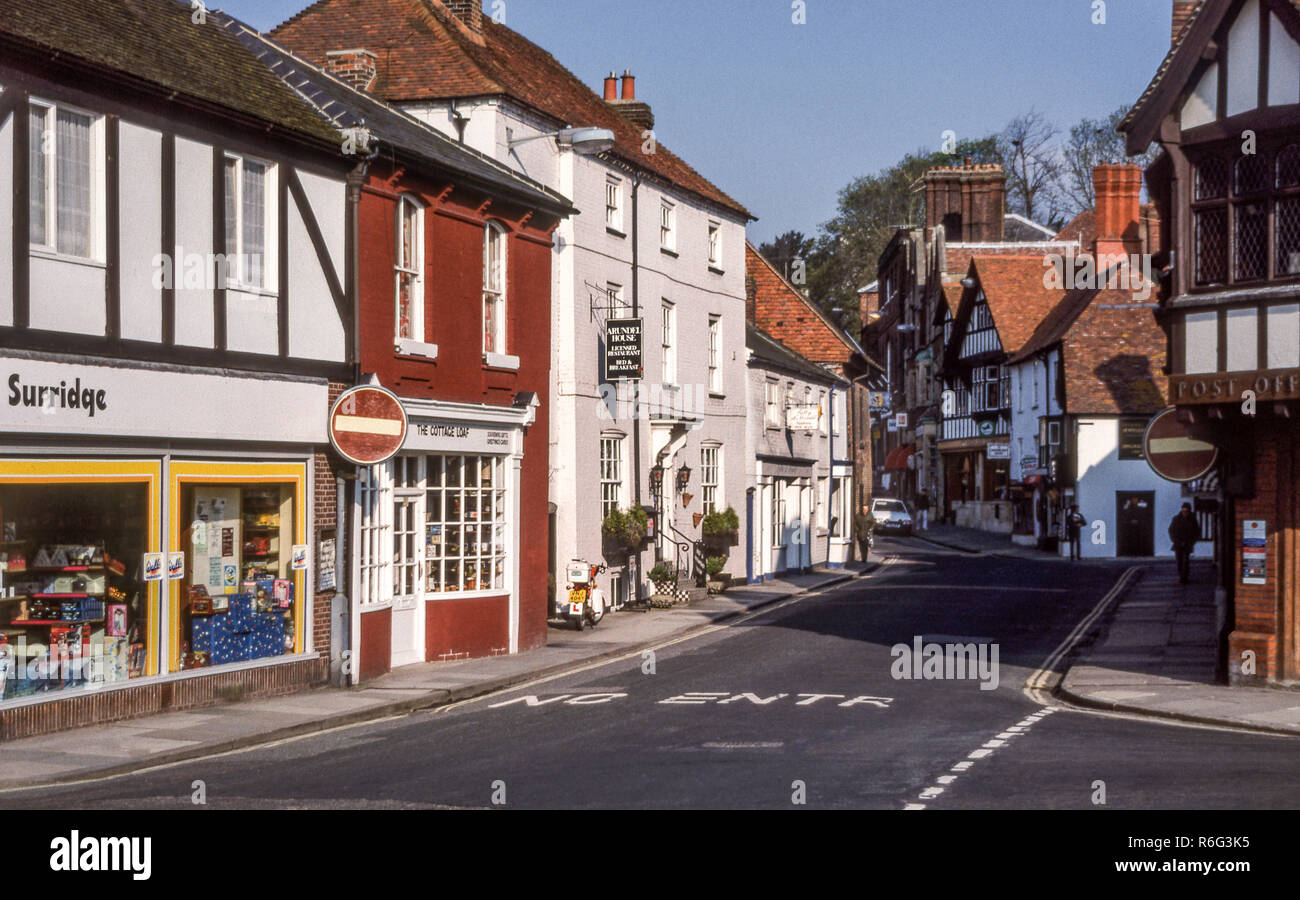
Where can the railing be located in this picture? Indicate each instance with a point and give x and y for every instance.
(683, 550)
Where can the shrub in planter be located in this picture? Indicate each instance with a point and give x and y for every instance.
(625, 528)
(664, 579)
(721, 528)
(718, 580)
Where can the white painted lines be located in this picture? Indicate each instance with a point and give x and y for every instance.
(989, 747)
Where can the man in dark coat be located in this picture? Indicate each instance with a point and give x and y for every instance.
(1184, 531)
(1074, 523)
(863, 523)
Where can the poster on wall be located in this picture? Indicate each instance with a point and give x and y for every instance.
(1254, 552)
(153, 567)
(215, 536)
(300, 557)
(325, 565)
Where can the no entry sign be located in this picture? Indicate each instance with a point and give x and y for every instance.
(1173, 453)
(367, 425)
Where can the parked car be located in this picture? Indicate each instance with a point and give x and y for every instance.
(891, 515)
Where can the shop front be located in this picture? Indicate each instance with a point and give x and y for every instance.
(436, 539)
(151, 536)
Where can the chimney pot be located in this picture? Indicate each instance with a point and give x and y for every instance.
(629, 85)
(611, 86)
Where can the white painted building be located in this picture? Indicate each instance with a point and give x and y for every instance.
(799, 513)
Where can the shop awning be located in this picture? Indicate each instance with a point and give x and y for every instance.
(1033, 480)
(898, 458)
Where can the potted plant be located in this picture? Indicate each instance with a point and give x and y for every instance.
(721, 528)
(624, 531)
(664, 579)
(719, 580)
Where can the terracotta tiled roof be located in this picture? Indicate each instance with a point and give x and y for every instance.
(338, 102)
(1112, 357)
(769, 350)
(1082, 228)
(156, 42)
(1017, 296)
(423, 53)
(958, 257)
(784, 313)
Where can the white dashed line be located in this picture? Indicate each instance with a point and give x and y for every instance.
(989, 747)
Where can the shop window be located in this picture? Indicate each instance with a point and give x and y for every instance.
(239, 591)
(74, 606)
(466, 535)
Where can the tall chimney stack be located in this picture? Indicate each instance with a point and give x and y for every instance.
(1183, 10)
(1119, 210)
(969, 201)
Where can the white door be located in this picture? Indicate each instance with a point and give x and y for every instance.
(408, 562)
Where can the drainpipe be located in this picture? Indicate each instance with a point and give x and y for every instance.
(830, 472)
(636, 312)
(749, 535)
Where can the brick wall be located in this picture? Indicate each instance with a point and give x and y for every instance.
(1255, 621)
(325, 512)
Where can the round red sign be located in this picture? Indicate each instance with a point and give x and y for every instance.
(367, 425)
(1173, 452)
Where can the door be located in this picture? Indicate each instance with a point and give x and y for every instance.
(408, 561)
(1135, 521)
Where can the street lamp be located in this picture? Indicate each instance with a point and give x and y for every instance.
(683, 478)
(583, 141)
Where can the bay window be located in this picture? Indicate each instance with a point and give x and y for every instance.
(1246, 217)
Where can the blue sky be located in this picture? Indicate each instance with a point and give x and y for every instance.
(781, 116)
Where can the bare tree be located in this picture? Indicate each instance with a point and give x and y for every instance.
(1034, 167)
(1094, 142)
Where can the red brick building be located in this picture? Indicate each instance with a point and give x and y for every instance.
(446, 542)
(1224, 107)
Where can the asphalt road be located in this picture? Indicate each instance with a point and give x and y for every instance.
(795, 706)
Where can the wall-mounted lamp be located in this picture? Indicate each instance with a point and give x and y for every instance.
(583, 141)
(683, 478)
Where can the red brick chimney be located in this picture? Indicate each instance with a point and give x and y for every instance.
(611, 86)
(470, 12)
(1119, 209)
(628, 106)
(1183, 10)
(357, 67)
(969, 201)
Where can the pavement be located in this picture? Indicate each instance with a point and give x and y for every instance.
(132, 744)
(1157, 654)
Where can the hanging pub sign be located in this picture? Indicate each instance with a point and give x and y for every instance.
(622, 349)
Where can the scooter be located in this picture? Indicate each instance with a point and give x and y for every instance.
(586, 604)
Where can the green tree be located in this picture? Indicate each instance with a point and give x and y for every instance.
(790, 253)
(871, 209)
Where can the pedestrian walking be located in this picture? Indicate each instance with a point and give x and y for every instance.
(1184, 531)
(1074, 523)
(923, 510)
(863, 523)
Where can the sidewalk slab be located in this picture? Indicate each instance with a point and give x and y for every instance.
(119, 747)
(1157, 656)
